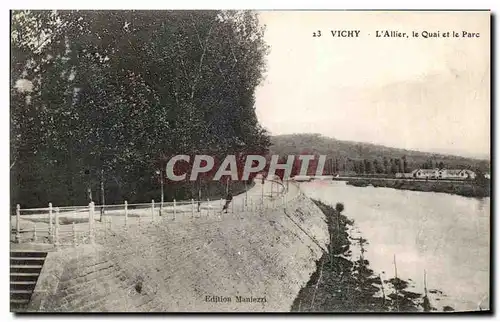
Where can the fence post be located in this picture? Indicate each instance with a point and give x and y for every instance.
(161, 203)
(56, 229)
(126, 215)
(34, 232)
(246, 193)
(175, 209)
(105, 224)
(74, 234)
(50, 220)
(18, 223)
(91, 222)
(192, 208)
(262, 198)
(208, 206)
(152, 210)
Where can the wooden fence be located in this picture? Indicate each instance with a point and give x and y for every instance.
(73, 225)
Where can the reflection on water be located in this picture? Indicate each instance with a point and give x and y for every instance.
(446, 235)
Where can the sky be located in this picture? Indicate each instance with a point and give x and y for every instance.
(427, 94)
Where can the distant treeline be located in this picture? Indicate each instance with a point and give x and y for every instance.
(479, 188)
(364, 158)
(389, 166)
(376, 166)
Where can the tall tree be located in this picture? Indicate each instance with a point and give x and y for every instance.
(368, 166)
(405, 165)
(118, 92)
(386, 165)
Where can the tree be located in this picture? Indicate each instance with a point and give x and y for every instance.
(480, 178)
(117, 91)
(386, 165)
(361, 166)
(378, 166)
(401, 165)
(394, 166)
(405, 165)
(368, 166)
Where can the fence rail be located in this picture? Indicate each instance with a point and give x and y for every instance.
(77, 224)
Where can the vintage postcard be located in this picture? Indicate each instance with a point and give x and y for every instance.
(250, 161)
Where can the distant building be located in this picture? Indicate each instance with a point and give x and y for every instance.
(302, 178)
(457, 174)
(449, 174)
(439, 174)
(468, 174)
(425, 173)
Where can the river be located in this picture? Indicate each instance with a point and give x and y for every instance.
(446, 235)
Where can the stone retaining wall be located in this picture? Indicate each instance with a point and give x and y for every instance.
(188, 266)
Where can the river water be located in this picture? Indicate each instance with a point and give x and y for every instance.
(446, 235)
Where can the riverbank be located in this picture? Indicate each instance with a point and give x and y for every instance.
(466, 189)
(343, 283)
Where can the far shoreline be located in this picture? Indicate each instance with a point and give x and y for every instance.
(472, 189)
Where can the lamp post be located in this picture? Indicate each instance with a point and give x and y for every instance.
(262, 199)
(246, 193)
(89, 187)
(160, 173)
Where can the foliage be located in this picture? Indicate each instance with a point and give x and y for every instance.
(118, 92)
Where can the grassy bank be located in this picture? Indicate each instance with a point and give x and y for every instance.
(466, 189)
(345, 284)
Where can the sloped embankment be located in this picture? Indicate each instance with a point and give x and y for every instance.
(248, 261)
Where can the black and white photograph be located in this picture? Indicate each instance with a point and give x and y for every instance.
(213, 161)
